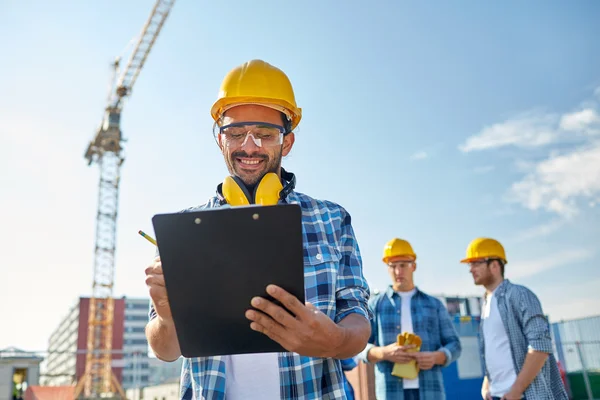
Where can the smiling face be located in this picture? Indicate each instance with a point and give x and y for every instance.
(246, 159)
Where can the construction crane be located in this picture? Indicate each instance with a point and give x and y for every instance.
(106, 150)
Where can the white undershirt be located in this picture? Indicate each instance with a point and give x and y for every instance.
(252, 377)
(406, 326)
(498, 356)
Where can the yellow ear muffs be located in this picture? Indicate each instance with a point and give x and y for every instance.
(268, 190)
(266, 193)
(234, 193)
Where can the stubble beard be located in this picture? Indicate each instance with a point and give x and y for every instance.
(251, 179)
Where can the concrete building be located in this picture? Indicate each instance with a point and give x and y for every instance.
(60, 363)
(18, 371)
(67, 345)
(135, 346)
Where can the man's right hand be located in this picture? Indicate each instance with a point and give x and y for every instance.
(485, 389)
(397, 354)
(155, 280)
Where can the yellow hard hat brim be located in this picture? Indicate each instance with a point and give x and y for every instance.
(411, 256)
(468, 260)
(224, 104)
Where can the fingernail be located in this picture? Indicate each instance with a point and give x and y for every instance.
(271, 289)
(256, 301)
(250, 314)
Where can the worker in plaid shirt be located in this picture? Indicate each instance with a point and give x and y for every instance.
(254, 120)
(402, 307)
(514, 338)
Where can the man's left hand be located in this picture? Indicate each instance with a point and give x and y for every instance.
(310, 333)
(425, 359)
(512, 395)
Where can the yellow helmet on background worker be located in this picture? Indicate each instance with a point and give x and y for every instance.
(257, 82)
(484, 248)
(398, 248)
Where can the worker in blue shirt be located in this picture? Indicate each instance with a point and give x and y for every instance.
(514, 335)
(255, 115)
(402, 307)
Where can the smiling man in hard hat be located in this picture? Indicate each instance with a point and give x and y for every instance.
(402, 307)
(255, 116)
(514, 335)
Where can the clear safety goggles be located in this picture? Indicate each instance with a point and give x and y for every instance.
(263, 134)
(400, 264)
(482, 261)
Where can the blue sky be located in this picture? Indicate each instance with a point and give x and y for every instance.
(434, 123)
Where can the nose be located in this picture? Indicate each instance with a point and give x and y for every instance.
(249, 143)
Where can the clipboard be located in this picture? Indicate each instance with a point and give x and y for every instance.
(216, 260)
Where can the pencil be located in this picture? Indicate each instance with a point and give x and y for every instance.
(148, 238)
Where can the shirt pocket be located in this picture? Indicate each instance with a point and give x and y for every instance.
(429, 328)
(321, 266)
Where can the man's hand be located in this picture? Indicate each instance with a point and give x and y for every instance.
(155, 280)
(485, 389)
(310, 333)
(160, 331)
(426, 359)
(512, 395)
(397, 354)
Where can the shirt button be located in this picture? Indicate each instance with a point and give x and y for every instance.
(319, 257)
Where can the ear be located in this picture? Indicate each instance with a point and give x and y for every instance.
(220, 143)
(288, 142)
(414, 266)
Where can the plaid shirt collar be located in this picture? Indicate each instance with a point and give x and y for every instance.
(390, 292)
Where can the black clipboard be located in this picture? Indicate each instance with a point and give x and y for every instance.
(215, 260)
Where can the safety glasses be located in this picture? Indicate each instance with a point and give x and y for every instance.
(263, 134)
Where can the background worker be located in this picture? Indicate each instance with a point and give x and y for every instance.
(402, 307)
(255, 115)
(514, 332)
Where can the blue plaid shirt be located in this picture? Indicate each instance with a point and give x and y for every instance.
(431, 322)
(527, 328)
(334, 283)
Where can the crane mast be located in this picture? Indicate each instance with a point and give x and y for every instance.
(106, 150)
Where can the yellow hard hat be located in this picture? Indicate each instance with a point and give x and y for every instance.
(484, 248)
(397, 247)
(257, 82)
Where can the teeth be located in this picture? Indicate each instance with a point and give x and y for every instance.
(250, 161)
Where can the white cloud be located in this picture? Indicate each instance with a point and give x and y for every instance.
(568, 176)
(524, 269)
(421, 155)
(557, 183)
(530, 129)
(579, 120)
(540, 230)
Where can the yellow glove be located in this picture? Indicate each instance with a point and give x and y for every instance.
(409, 370)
